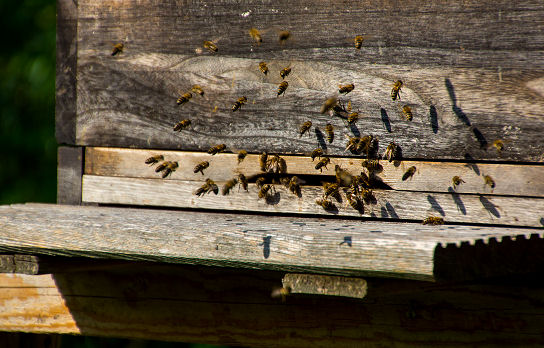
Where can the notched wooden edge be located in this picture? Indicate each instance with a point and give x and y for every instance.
(297, 283)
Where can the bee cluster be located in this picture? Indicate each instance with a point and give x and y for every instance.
(356, 188)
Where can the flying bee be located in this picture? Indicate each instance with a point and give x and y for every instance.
(241, 156)
(355, 202)
(216, 149)
(343, 177)
(209, 186)
(260, 182)
(329, 104)
(228, 186)
(263, 159)
(210, 46)
(345, 89)
(409, 173)
(242, 180)
(391, 152)
(197, 89)
(456, 181)
(322, 163)
(305, 127)
(118, 48)
(353, 117)
(499, 145)
(329, 129)
(294, 186)
(255, 35)
(281, 293)
(407, 113)
(330, 189)
(284, 72)
(489, 181)
(282, 87)
(184, 98)
(325, 204)
(358, 41)
(181, 125)
(201, 166)
(433, 220)
(395, 92)
(154, 159)
(283, 36)
(161, 166)
(238, 104)
(169, 168)
(372, 165)
(317, 153)
(263, 192)
(263, 68)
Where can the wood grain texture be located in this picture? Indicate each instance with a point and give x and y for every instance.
(517, 180)
(473, 74)
(292, 244)
(313, 284)
(389, 204)
(233, 307)
(69, 174)
(25, 264)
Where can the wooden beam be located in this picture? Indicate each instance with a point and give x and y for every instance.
(313, 284)
(69, 174)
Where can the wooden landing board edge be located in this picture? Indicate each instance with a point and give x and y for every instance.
(388, 204)
(517, 180)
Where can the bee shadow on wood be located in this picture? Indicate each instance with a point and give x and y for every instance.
(347, 240)
(273, 199)
(456, 110)
(266, 246)
(472, 166)
(490, 207)
(457, 200)
(433, 116)
(391, 210)
(320, 139)
(435, 205)
(480, 137)
(385, 120)
(355, 130)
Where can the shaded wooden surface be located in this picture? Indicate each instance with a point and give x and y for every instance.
(395, 205)
(292, 244)
(518, 180)
(69, 174)
(234, 307)
(473, 73)
(313, 284)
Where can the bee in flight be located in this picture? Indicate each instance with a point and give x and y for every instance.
(331, 189)
(210, 46)
(263, 160)
(201, 166)
(316, 153)
(217, 149)
(166, 168)
(228, 186)
(329, 129)
(305, 127)
(409, 173)
(282, 87)
(391, 152)
(238, 104)
(154, 159)
(285, 72)
(118, 48)
(489, 182)
(283, 36)
(433, 220)
(260, 182)
(358, 41)
(345, 89)
(456, 181)
(241, 156)
(184, 98)
(197, 89)
(255, 35)
(322, 163)
(181, 125)
(499, 145)
(242, 180)
(263, 68)
(343, 177)
(407, 112)
(395, 92)
(209, 186)
(329, 104)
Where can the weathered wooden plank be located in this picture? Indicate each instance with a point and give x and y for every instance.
(464, 94)
(518, 180)
(314, 284)
(388, 204)
(69, 173)
(26, 264)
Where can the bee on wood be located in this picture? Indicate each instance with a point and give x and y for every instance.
(282, 87)
(316, 153)
(209, 186)
(367, 144)
(322, 163)
(305, 127)
(368, 195)
(260, 182)
(372, 165)
(242, 180)
(166, 167)
(255, 35)
(363, 180)
(355, 202)
(294, 186)
(181, 125)
(263, 160)
(263, 68)
(329, 129)
(499, 145)
(264, 191)
(228, 186)
(391, 152)
(217, 149)
(407, 112)
(283, 36)
(489, 181)
(284, 72)
(409, 173)
(210, 46)
(241, 101)
(201, 166)
(325, 204)
(276, 164)
(456, 181)
(118, 48)
(353, 117)
(184, 98)
(352, 144)
(345, 89)
(358, 41)
(330, 189)
(154, 159)
(241, 156)
(395, 92)
(197, 89)
(329, 104)
(433, 220)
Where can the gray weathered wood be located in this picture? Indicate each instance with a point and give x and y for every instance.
(69, 173)
(516, 211)
(292, 244)
(26, 264)
(325, 285)
(473, 74)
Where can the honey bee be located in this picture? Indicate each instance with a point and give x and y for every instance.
(363, 180)
(368, 195)
(284, 72)
(489, 181)
(276, 164)
(209, 186)
(201, 166)
(305, 127)
(456, 181)
(433, 220)
(345, 89)
(154, 159)
(294, 186)
(216, 149)
(395, 92)
(353, 117)
(242, 180)
(281, 293)
(329, 104)
(355, 202)
(210, 46)
(184, 98)
(263, 68)
(329, 129)
(343, 177)
(260, 182)
(118, 48)
(325, 204)
(263, 159)
(228, 186)
(322, 163)
(358, 41)
(181, 125)
(255, 35)
(391, 152)
(499, 145)
(317, 153)
(283, 36)
(409, 173)
(372, 165)
(241, 156)
(330, 189)
(166, 168)
(197, 89)
(282, 87)
(407, 112)
(263, 192)
(241, 101)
